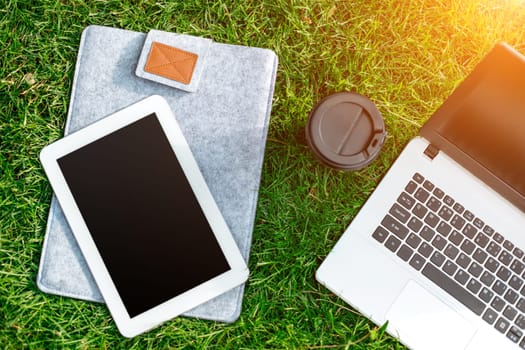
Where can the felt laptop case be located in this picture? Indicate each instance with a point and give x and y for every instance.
(223, 108)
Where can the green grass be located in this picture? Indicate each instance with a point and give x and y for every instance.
(407, 56)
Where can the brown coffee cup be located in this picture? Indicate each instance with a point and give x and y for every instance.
(345, 131)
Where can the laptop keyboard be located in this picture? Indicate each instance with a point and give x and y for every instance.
(456, 250)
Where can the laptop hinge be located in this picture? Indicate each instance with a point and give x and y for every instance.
(431, 151)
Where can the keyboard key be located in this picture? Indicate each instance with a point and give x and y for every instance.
(405, 200)
(411, 187)
(461, 276)
(414, 224)
(463, 260)
(468, 215)
(451, 251)
(510, 313)
(511, 296)
(474, 286)
(498, 238)
(458, 208)
(490, 316)
(438, 193)
(493, 249)
(520, 321)
(445, 213)
(489, 231)
(492, 265)
(482, 240)
(468, 247)
(448, 201)
(450, 268)
(486, 295)
(479, 223)
(425, 249)
(521, 305)
(503, 273)
(457, 222)
(413, 240)
(433, 204)
(502, 325)
(469, 231)
(439, 242)
(487, 278)
(394, 226)
(499, 287)
(399, 213)
(454, 289)
(417, 177)
(421, 195)
(505, 257)
(514, 334)
(515, 282)
(405, 252)
(508, 245)
(437, 258)
(431, 219)
(517, 266)
(392, 243)
(475, 269)
(380, 234)
(444, 228)
(480, 256)
(497, 303)
(417, 261)
(456, 237)
(419, 210)
(429, 186)
(518, 253)
(427, 233)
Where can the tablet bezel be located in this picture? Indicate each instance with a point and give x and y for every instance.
(131, 326)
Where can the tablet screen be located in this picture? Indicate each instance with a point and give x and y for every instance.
(143, 215)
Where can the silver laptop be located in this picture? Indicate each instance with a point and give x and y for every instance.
(438, 249)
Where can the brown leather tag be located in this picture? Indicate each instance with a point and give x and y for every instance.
(170, 62)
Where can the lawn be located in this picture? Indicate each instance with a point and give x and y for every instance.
(407, 56)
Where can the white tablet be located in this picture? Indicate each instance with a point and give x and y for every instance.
(143, 216)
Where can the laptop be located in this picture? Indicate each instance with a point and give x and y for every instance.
(437, 252)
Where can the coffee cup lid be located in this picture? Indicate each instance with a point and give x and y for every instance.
(345, 131)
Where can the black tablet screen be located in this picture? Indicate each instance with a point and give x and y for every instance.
(143, 215)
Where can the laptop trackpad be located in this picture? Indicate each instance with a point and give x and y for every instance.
(422, 321)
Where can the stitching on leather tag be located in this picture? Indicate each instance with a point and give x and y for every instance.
(171, 63)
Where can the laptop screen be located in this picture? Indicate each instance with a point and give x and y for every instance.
(482, 124)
